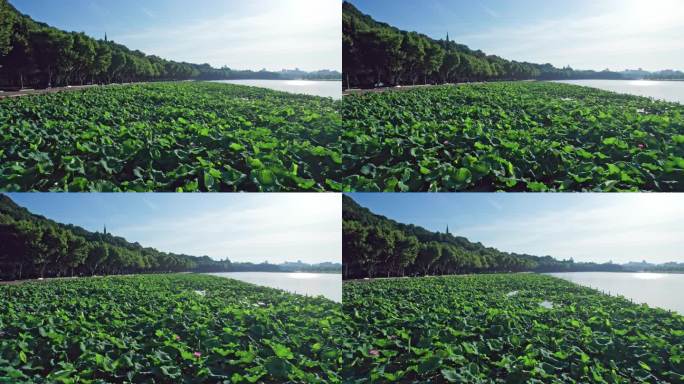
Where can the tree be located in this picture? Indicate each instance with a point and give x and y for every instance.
(434, 55)
(55, 243)
(427, 255)
(406, 251)
(450, 65)
(381, 246)
(19, 243)
(117, 65)
(19, 62)
(77, 252)
(32, 246)
(413, 47)
(6, 26)
(84, 55)
(97, 255)
(52, 51)
(355, 248)
(381, 50)
(103, 59)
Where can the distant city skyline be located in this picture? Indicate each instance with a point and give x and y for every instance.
(256, 227)
(584, 34)
(255, 35)
(586, 227)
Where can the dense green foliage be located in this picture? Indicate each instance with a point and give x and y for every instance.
(35, 54)
(165, 329)
(492, 329)
(376, 53)
(533, 136)
(373, 245)
(6, 24)
(33, 246)
(189, 136)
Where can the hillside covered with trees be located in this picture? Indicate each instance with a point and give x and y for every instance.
(34, 54)
(375, 246)
(32, 246)
(377, 53)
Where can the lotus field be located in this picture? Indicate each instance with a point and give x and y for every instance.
(165, 329)
(505, 329)
(187, 136)
(524, 136)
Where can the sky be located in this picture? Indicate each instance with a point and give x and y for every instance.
(594, 227)
(255, 227)
(254, 34)
(585, 34)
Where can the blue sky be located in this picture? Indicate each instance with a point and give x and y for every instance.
(243, 227)
(255, 34)
(585, 34)
(588, 227)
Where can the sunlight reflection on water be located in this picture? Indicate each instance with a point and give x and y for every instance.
(648, 276)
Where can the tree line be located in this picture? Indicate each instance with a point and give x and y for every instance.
(375, 246)
(376, 53)
(32, 246)
(30, 249)
(37, 55)
(666, 75)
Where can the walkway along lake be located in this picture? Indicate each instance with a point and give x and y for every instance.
(328, 285)
(663, 290)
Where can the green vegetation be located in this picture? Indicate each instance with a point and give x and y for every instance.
(35, 54)
(373, 246)
(492, 329)
(188, 136)
(33, 246)
(511, 136)
(376, 53)
(165, 329)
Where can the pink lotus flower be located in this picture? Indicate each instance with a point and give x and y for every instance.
(198, 354)
(177, 337)
(641, 146)
(374, 352)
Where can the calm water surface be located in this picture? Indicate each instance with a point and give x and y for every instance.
(663, 90)
(309, 87)
(328, 285)
(662, 290)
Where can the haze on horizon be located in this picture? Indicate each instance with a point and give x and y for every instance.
(586, 226)
(585, 34)
(251, 227)
(256, 34)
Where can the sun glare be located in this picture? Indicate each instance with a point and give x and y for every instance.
(650, 14)
(302, 275)
(648, 276)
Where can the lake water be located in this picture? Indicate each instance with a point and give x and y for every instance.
(662, 290)
(328, 285)
(308, 87)
(663, 90)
